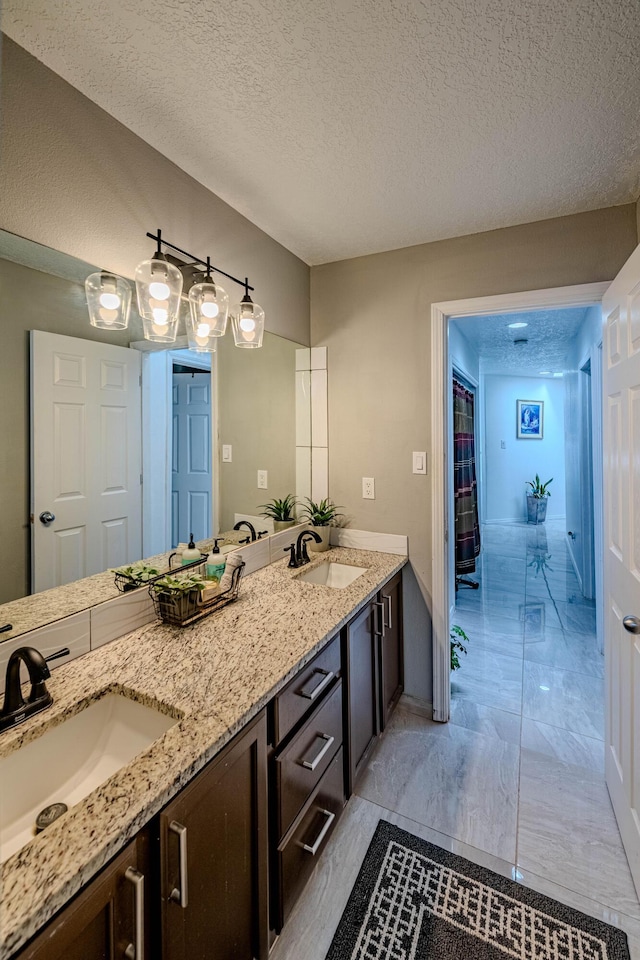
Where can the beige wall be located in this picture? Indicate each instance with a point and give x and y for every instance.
(373, 313)
(75, 179)
(257, 403)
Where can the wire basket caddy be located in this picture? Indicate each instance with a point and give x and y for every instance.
(126, 581)
(181, 608)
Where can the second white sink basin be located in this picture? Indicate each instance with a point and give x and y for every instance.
(70, 760)
(337, 575)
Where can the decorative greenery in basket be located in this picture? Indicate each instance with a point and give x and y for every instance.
(179, 585)
(459, 639)
(178, 597)
(140, 571)
(321, 514)
(280, 511)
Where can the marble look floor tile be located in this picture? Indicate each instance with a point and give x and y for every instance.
(313, 922)
(486, 720)
(564, 589)
(465, 784)
(577, 617)
(567, 832)
(564, 699)
(489, 624)
(568, 652)
(562, 745)
(507, 695)
(592, 908)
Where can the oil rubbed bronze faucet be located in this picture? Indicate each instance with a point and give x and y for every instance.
(250, 527)
(301, 547)
(15, 708)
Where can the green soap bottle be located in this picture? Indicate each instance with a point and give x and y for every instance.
(216, 563)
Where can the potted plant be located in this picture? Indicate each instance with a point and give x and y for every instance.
(537, 500)
(459, 639)
(322, 516)
(281, 512)
(178, 597)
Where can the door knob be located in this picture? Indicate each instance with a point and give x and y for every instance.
(632, 624)
(46, 517)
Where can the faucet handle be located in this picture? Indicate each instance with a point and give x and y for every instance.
(292, 558)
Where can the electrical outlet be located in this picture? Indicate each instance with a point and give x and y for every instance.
(368, 488)
(262, 479)
(227, 454)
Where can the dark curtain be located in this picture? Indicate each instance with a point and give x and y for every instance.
(464, 481)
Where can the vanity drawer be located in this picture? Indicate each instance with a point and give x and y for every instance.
(304, 761)
(299, 851)
(305, 691)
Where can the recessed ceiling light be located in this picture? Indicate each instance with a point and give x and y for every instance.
(544, 373)
(558, 374)
(517, 326)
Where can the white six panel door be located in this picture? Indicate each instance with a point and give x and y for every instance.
(85, 458)
(621, 419)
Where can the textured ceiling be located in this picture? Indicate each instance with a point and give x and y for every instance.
(549, 334)
(348, 127)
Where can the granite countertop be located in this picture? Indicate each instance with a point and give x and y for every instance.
(214, 677)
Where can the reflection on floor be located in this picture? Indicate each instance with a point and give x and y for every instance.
(516, 781)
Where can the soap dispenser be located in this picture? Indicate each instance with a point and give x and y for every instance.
(215, 562)
(191, 553)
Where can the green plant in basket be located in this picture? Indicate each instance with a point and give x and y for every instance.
(280, 510)
(169, 584)
(137, 571)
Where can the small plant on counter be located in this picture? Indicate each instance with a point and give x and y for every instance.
(538, 489)
(280, 510)
(137, 571)
(171, 584)
(321, 514)
(459, 640)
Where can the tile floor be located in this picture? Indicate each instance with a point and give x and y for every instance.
(516, 780)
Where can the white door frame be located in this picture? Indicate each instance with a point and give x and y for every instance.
(552, 298)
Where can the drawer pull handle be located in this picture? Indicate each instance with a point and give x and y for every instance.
(327, 677)
(314, 849)
(135, 950)
(179, 894)
(328, 741)
(64, 652)
(387, 596)
(379, 624)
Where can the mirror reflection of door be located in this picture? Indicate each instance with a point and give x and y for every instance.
(191, 481)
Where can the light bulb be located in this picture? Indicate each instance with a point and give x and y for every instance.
(110, 301)
(159, 290)
(203, 330)
(202, 340)
(250, 336)
(108, 316)
(247, 324)
(160, 316)
(209, 309)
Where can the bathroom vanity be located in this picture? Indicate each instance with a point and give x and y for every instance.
(275, 703)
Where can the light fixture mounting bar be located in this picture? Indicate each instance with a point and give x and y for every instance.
(205, 263)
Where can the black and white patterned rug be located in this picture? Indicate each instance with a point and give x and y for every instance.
(414, 901)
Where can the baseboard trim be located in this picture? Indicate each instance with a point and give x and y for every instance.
(423, 708)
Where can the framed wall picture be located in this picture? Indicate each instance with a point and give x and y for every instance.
(530, 419)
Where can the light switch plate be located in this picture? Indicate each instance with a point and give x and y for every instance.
(419, 461)
(262, 479)
(368, 488)
(227, 453)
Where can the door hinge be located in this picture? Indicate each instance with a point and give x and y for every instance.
(141, 478)
(140, 379)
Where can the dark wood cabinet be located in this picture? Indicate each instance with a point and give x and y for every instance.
(214, 858)
(391, 653)
(373, 672)
(109, 919)
(361, 694)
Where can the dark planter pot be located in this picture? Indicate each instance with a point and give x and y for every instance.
(536, 509)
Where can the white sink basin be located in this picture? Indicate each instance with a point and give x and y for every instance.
(69, 761)
(337, 575)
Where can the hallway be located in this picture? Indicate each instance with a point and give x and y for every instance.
(515, 781)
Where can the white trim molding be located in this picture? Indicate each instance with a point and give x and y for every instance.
(555, 297)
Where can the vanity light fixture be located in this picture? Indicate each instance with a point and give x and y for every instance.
(108, 300)
(208, 314)
(159, 287)
(248, 321)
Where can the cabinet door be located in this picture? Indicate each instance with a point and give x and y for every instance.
(213, 845)
(361, 695)
(391, 647)
(108, 920)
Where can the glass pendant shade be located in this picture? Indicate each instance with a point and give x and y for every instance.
(208, 315)
(248, 324)
(159, 287)
(108, 300)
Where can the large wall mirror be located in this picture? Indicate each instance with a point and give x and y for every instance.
(241, 400)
